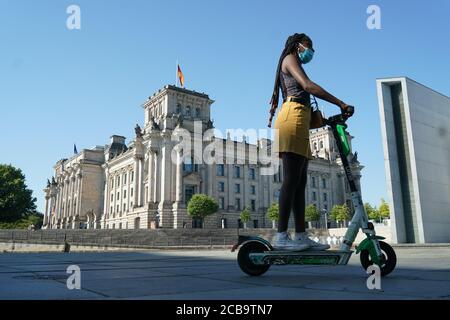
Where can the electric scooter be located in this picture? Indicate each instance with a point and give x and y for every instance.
(256, 254)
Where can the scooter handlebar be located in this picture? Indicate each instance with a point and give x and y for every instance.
(342, 117)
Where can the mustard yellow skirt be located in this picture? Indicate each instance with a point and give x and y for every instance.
(292, 129)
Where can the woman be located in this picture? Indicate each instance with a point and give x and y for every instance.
(292, 137)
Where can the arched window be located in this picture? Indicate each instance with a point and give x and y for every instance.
(197, 112)
(188, 110)
(321, 144)
(178, 108)
(315, 145)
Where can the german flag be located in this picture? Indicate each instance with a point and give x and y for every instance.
(180, 76)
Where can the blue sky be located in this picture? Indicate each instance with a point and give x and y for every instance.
(60, 86)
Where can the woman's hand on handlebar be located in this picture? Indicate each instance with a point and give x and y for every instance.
(347, 110)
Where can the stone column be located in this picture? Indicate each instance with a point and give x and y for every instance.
(165, 204)
(157, 177)
(107, 195)
(179, 178)
(211, 180)
(46, 214)
(136, 182)
(230, 174)
(150, 173)
(179, 207)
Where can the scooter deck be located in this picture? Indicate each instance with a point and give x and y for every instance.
(282, 257)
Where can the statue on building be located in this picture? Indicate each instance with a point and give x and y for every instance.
(48, 183)
(179, 120)
(138, 131)
(209, 124)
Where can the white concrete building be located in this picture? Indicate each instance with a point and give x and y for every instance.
(415, 126)
(137, 185)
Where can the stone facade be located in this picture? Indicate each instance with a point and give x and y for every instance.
(146, 183)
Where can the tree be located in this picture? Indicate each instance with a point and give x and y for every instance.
(16, 200)
(245, 216)
(273, 213)
(384, 209)
(340, 213)
(311, 214)
(372, 212)
(201, 206)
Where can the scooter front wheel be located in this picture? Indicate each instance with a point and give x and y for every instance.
(244, 261)
(387, 264)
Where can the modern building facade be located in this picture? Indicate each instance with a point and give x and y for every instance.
(415, 126)
(148, 182)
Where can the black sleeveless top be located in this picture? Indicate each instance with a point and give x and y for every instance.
(290, 87)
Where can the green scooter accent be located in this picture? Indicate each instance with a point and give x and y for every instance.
(341, 131)
(367, 244)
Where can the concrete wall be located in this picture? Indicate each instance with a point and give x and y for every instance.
(420, 204)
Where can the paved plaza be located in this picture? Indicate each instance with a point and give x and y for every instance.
(421, 273)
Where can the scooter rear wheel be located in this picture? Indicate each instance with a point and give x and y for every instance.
(244, 261)
(389, 257)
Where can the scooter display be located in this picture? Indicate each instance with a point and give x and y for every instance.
(256, 254)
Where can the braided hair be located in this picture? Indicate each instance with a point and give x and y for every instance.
(289, 47)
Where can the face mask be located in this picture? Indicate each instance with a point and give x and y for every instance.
(306, 56)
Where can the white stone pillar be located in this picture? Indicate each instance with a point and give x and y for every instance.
(150, 176)
(179, 178)
(46, 214)
(136, 182)
(157, 175)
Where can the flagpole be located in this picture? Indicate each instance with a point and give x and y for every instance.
(176, 75)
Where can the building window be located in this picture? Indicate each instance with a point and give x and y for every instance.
(252, 189)
(220, 170)
(324, 183)
(112, 209)
(132, 176)
(315, 145)
(120, 225)
(255, 224)
(252, 173)
(118, 181)
(221, 202)
(313, 181)
(189, 166)
(240, 224)
(112, 197)
(118, 209)
(131, 192)
(325, 207)
(314, 196)
(253, 204)
(112, 183)
(178, 108)
(124, 178)
(324, 197)
(238, 204)
(237, 172)
(189, 191)
(237, 188)
(118, 196)
(321, 144)
(124, 194)
(131, 204)
(124, 207)
(197, 112)
(221, 186)
(188, 111)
